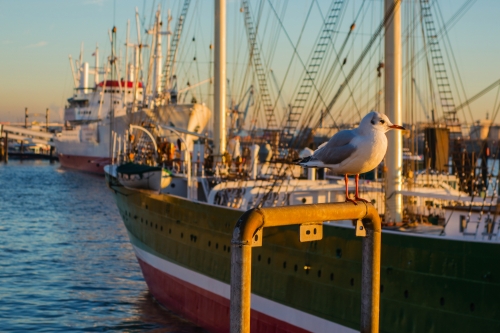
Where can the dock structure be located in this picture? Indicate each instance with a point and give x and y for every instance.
(22, 134)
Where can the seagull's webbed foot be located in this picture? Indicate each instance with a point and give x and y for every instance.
(347, 199)
(361, 199)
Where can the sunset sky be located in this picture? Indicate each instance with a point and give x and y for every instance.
(38, 35)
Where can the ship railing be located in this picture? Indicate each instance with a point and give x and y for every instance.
(248, 233)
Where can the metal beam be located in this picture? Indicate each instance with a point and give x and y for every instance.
(248, 233)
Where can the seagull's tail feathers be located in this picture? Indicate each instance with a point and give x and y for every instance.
(309, 162)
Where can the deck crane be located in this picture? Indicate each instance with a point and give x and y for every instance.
(167, 78)
(239, 117)
(258, 65)
(315, 62)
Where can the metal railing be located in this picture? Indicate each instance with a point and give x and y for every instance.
(248, 233)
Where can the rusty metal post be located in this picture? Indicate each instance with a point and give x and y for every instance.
(6, 148)
(370, 276)
(241, 272)
(248, 233)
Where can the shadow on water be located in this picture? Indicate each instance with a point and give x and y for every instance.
(66, 264)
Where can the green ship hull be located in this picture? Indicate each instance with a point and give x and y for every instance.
(428, 283)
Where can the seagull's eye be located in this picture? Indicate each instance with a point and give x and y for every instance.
(382, 121)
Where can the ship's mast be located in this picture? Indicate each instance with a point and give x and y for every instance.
(159, 51)
(220, 81)
(393, 91)
(96, 69)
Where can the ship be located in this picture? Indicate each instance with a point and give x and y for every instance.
(95, 114)
(181, 235)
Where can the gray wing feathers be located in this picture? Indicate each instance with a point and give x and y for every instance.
(337, 149)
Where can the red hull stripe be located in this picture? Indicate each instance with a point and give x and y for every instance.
(84, 163)
(205, 301)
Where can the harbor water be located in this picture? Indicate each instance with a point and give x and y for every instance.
(66, 262)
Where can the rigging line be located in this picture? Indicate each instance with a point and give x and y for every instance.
(268, 28)
(449, 24)
(359, 82)
(327, 81)
(291, 43)
(333, 82)
(236, 55)
(429, 72)
(295, 47)
(274, 43)
(495, 114)
(452, 21)
(276, 39)
(447, 39)
(495, 103)
(479, 94)
(315, 102)
(387, 18)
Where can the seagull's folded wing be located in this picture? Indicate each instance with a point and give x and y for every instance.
(337, 149)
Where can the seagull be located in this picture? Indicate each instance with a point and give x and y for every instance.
(351, 152)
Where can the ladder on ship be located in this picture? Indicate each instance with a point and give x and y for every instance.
(260, 72)
(168, 69)
(442, 81)
(316, 60)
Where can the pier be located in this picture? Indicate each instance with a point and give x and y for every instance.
(25, 143)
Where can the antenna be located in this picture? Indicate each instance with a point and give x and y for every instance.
(126, 50)
(81, 54)
(138, 26)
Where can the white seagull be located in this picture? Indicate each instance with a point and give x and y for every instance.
(351, 152)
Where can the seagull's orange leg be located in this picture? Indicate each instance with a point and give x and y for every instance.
(347, 199)
(356, 195)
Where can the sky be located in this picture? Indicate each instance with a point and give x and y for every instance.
(38, 35)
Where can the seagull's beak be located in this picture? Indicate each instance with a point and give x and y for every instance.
(397, 127)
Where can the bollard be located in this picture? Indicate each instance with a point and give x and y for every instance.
(248, 233)
(6, 148)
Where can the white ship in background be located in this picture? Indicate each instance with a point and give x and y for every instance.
(93, 115)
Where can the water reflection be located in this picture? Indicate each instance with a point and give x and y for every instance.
(65, 260)
(151, 316)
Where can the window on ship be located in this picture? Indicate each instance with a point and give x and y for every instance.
(79, 103)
